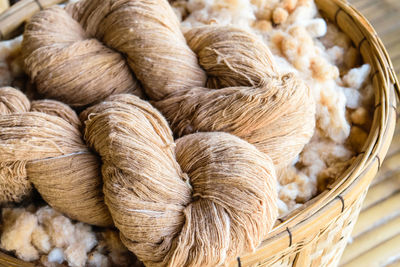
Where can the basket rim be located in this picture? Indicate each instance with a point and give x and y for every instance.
(333, 201)
(345, 189)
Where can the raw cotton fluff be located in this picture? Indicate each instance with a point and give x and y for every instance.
(50, 238)
(10, 61)
(18, 226)
(203, 203)
(45, 145)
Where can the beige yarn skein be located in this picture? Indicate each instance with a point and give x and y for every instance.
(69, 65)
(203, 203)
(44, 146)
(250, 99)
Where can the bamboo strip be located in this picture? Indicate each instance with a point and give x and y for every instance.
(20, 13)
(390, 167)
(394, 264)
(378, 256)
(395, 146)
(382, 191)
(377, 215)
(4, 5)
(371, 239)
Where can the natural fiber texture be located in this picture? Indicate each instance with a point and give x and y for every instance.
(208, 200)
(57, 109)
(201, 204)
(52, 148)
(13, 101)
(14, 184)
(305, 237)
(231, 56)
(148, 33)
(274, 112)
(68, 65)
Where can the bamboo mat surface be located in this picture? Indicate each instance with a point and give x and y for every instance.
(376, 235)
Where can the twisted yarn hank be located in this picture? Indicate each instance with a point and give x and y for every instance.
(68, 65)
(275, 112)
(42, 148)
(201, 204)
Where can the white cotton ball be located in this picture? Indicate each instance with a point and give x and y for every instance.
(194, 5)
(279, 15)
(360, 116)
(84, 235)
(289, 192)
(27, 253)
(45, 214)
(76, 255)
(282, 208)
(41, 240)
(61, 231)
(17, 234)
(316, 27)
(331, 112)
(353, 98)
(9, 46)
(56, 255)
(335, 54)
(302, 13)
(357, 76)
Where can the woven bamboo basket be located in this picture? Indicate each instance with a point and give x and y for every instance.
(316, 234)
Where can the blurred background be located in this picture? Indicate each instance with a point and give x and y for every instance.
(376, 236)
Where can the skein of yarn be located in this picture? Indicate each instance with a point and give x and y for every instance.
(68, 65)
(44, 147)
(250, 99)
(202, 203)
(245, 94)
